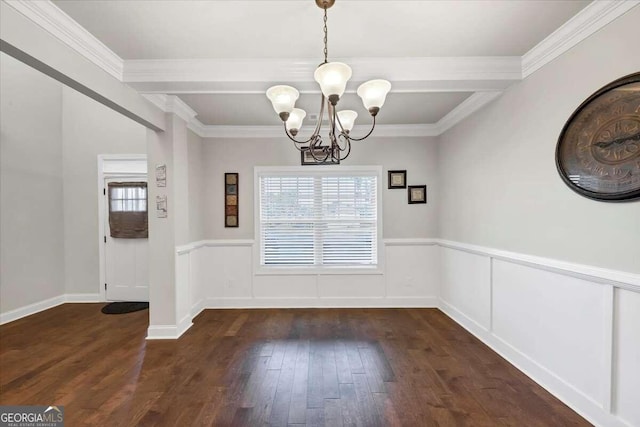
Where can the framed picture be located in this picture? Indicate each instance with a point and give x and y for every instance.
(231, 199)
(597, 151)
(397, 179)
(306, 158)
(161, 206)
(417, 194)
(161, 175)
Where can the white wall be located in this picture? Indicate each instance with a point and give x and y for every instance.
(88, 129)
(401, 220)
(499, 185)
(31, 203)
(221, 272)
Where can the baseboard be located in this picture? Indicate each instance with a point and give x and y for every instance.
(197, 308)
(83, 298)
(389, 302)
(569, 395)
(30, 309)
(169, 332)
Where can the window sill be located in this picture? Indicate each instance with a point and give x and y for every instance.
(315, 271)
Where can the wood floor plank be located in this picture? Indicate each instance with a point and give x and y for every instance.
(298, 405)
(330, 388)
(342, 363)
(332, 413)
(315, 385)
(298, 367)
(282, 400)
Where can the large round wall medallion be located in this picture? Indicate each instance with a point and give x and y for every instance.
(598, 152)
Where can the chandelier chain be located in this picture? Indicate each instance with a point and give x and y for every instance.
(326, 51)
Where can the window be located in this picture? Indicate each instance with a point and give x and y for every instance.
(128, 196)
(128, 210)
(318, 218)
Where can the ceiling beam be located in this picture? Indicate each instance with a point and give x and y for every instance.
(409, 75)
(26, 40)
(52, 19)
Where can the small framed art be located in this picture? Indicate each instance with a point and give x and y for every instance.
(397, 179)
(417, 194)
(231, 199)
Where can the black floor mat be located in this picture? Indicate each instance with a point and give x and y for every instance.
(124, 307)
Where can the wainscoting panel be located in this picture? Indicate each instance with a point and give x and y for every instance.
(556, 320)
(222, 275)
(466, 284)
(272, 286)
(574, 329)
(183, 290)
(626, 366)
(226, 272)
(412, 271)
(197, 259)
(351, 286)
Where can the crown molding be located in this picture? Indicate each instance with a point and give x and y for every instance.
(408, 74)
(197, 127)
(465, 109)
(53, 20)
(586, 22)
(172, 104)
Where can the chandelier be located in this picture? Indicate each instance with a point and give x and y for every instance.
(332, 78)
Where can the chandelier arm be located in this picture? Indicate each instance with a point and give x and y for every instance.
(342, 132)
(295, 140)
(373, 126)
(347, 148)
(345, 138)
(332, 121)
(316, 132)
(314, 146)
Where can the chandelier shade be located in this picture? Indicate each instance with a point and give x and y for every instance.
(332, 78)
(294, 122)
(374, 93)
(346, 119)
(283, 98)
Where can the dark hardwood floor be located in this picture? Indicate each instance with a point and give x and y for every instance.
(364, 367)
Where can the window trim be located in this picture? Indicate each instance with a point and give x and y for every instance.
(339, 170)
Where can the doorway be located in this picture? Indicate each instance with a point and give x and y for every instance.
(124, 266)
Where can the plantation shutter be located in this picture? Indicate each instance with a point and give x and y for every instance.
(318, 219)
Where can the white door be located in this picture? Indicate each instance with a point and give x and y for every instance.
(126, 259)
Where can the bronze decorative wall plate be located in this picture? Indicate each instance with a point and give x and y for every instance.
(598, 152)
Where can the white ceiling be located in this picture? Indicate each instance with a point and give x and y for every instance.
(293, 29)
(255, 109)
(461, 48)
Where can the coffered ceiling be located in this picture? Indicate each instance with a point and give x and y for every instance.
(445, 59)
